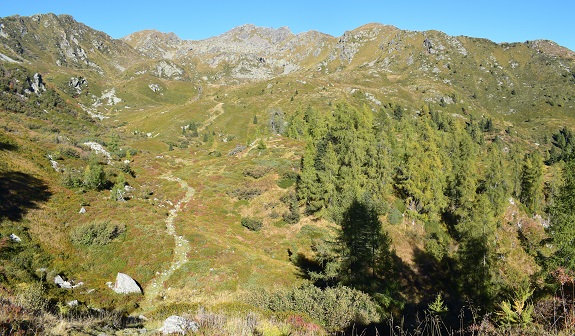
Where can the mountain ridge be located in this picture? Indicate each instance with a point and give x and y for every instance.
(429, 65)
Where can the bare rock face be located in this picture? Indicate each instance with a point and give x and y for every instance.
(126, 285)
(178, 325)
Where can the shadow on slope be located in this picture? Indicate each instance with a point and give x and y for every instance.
(20, 192)
(7, 146)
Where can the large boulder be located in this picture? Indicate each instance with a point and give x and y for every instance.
(126, 285)
(178, 325)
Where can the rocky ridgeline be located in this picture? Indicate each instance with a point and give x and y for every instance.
(255, 53)
(64, 42)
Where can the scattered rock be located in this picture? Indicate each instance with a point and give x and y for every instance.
(125, 285)
(62, 283)
(99, 149)
(428, 46)
(110, 95)
(180, 325)
(169, 70)
(54, 164)
(238, 149)
(15, 238)
(82, 210)
(72, 303)
(154, 87)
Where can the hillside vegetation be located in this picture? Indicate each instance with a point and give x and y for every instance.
(266, 183)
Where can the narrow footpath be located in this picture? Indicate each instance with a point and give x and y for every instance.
(155, 288)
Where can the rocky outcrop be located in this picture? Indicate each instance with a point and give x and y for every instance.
(35, 85)
(78, 84)
(168, 70)
(178, 325)
(125, 285)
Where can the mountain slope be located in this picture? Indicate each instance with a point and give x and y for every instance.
(191, 139)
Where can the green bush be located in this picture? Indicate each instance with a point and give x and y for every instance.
(285, 183)
(252, 224)
(97, 233)
(336, 308)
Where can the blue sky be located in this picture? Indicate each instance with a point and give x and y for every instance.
(500, 21)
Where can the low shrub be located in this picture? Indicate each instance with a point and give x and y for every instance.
(245, 193)
(97, 232)
(252, 224)
(336, 308)
(256, 171)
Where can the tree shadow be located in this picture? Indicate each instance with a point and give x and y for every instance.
(20, 192)
(6, 143)
(438, 277)
(7, 146)
(306, 266)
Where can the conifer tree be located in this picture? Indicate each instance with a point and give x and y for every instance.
(562, 228)
(94, 177)
(421, 177)
(495, 183)
(532, 182)
(366, 248)
(477, 253)
(463, 180)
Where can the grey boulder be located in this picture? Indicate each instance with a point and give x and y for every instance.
(178, 325)
(126, 285)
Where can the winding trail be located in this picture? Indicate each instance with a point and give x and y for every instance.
(181, 247)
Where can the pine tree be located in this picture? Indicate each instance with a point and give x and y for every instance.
(562, 228)
(308, 188)
(463, 180)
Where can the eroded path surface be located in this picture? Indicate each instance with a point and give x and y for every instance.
(214, 112)
(155, 288)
